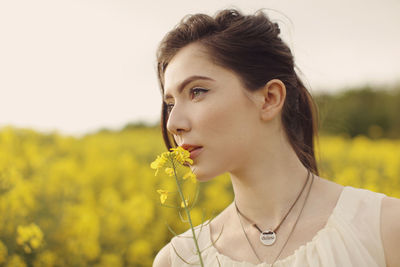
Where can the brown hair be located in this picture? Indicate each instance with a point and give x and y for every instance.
(251, 47)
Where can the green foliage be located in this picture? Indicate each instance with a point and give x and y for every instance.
(363, 111)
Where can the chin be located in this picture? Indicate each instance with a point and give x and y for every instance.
(202, 175)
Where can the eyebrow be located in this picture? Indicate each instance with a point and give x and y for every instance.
(186, 82)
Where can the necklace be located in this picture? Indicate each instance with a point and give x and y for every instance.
(305, 200)
(268, 237)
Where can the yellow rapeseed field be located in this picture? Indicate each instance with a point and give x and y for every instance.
(93, 201)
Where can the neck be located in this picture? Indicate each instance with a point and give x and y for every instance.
(266, 187)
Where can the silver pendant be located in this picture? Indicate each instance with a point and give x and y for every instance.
(268, 237)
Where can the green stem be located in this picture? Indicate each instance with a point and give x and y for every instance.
(187, 212)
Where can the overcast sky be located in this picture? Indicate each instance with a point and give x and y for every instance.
(79, 65)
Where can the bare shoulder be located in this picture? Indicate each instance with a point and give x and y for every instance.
(390, 228)
(163, 257)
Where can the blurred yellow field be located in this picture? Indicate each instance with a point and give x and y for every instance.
(93, 201)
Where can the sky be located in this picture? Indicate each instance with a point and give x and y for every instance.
(75, 66)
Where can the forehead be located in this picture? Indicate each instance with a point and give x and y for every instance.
(192, 60)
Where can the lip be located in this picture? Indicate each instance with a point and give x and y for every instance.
(194, 150)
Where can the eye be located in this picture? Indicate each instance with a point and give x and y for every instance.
(169, 107)
(197, 91)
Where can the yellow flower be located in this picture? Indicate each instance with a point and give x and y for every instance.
(159, 162)
(181, 155)
(29, 237)
(183, 204)
(163, 195)
(35, 243)
(27, 249)
(190, 175)
(169, 171)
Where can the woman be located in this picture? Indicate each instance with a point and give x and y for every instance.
(232, 98)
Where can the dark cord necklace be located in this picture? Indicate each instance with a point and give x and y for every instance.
(291, 231)
(268, 237)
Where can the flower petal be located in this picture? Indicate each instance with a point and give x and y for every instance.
(191, 176)
(169, 171)
(183, 204)
(163, 195)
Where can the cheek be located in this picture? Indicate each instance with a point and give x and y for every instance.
(231, 121)
(227, 129)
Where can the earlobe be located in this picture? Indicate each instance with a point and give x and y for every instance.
(274, 93)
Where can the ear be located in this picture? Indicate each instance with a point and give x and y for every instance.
(274, 94)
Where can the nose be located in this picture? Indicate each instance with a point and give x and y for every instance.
(178, 121)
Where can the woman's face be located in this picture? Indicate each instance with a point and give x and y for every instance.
(209, 107)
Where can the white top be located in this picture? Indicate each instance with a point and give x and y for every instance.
(351, 237)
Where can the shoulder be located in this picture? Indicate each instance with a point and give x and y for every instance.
(163, 258)
(390, 227)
